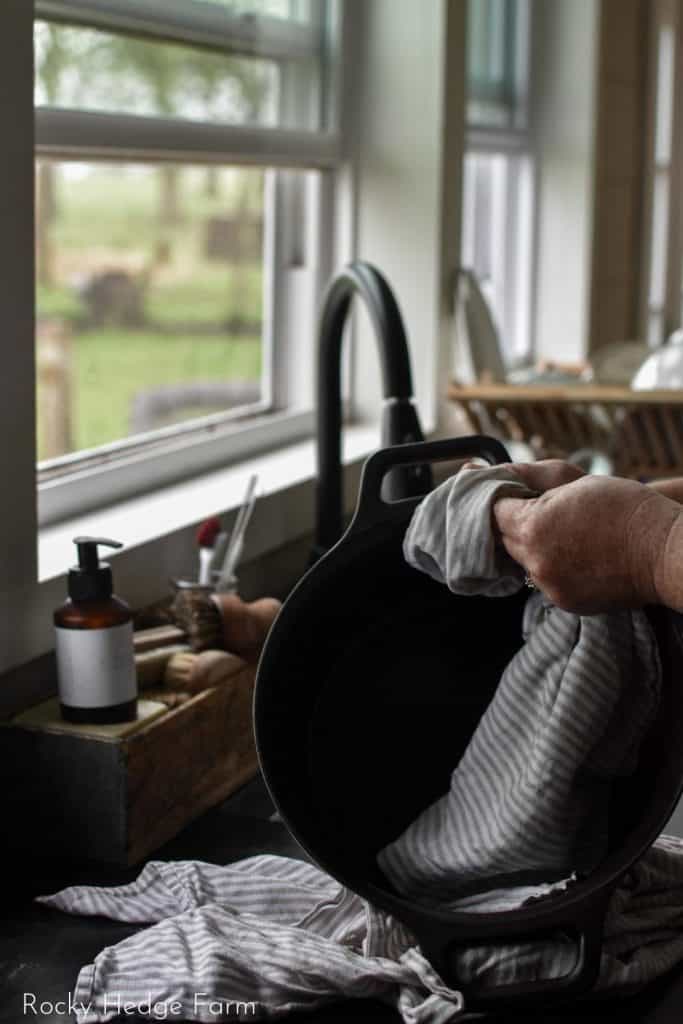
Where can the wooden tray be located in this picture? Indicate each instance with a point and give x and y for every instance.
(115, 794)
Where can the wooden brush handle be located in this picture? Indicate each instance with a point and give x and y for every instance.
(191, 673)
(157, 636)
(245, 625)
(150, 666)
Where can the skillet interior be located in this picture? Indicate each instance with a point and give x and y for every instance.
(371, 684)
(396, 709)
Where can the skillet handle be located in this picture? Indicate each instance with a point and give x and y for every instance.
(584, 922)
(372, 510)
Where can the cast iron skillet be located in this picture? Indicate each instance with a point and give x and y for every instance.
(371, 683)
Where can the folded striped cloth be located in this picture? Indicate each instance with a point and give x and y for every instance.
(525, 811)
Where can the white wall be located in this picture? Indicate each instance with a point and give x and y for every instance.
(566, 46)
(407, 171)
(409, 70)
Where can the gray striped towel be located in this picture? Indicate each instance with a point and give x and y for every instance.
(270, 935)
(526, 806)
(260, 938)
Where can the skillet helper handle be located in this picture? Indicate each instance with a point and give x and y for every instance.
(371, 509)
(584, 923)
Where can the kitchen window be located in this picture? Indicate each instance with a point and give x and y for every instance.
(389, 196)
(498, 186)
(185, 152)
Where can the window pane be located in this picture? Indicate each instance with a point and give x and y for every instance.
(497, 242)
(660, 235)
(149, 298)
(666, 64)
(87, 69)
(497, 59)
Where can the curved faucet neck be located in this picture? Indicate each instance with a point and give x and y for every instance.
(399, 419)
(361, 278)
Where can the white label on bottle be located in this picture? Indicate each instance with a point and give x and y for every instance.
(96, 667)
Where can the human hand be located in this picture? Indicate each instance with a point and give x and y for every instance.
(546, 474)
(593, 543)
(671, 488)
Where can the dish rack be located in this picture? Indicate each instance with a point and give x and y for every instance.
(641, 432)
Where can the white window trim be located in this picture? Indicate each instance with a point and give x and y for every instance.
(497, 140)
(517, 139)
(82, 491)
(75, 134)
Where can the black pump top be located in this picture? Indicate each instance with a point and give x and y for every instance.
(91, 580)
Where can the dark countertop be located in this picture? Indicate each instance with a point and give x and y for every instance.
(42, 950)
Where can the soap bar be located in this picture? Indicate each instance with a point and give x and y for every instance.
(47, 717)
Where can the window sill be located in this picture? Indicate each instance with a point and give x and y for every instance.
(158, 529)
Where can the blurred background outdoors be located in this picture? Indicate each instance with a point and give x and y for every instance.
(149, 277)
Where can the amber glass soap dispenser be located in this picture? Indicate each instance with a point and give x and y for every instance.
(94, 630)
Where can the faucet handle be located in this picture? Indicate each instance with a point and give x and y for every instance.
(372, 509)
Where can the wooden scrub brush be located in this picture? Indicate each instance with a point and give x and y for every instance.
(224, 620)
(194, 612)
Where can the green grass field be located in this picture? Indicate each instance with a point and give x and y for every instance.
(110, 368)
(110, 217)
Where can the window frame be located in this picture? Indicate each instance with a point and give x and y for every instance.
(209, 25)
(515, 141)
(661, 299)
(83, 481)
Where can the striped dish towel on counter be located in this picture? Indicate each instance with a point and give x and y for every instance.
(271, 935)
(257, 939)
(520, 817)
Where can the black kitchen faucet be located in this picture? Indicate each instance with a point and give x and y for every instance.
(400, 423)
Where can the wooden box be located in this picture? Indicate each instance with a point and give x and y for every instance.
(117, 793)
